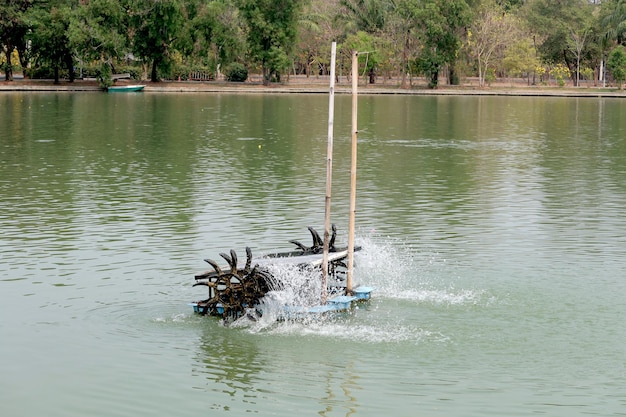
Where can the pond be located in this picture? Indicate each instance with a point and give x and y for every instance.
(492, 229)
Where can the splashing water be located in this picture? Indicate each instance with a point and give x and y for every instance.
(398, 271)
(395, 270)
(291, 289)
(293, 286)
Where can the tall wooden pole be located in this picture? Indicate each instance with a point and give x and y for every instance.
(329, 171)
(355, 83)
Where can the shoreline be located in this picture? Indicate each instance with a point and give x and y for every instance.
(300, 85)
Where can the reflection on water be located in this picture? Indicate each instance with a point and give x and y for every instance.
(239, 369)
(491, 227)
(229, 362)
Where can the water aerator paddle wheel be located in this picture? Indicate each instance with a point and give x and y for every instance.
(233, 291)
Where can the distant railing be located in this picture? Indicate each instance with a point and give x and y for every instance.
(200, 76)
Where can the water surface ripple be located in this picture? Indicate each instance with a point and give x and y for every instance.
(491, 229)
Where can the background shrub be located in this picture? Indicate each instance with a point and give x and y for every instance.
(236, 72)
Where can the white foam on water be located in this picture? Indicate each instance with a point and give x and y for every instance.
(362, 333)
(174, 318)
(338, 326)
(448, 296)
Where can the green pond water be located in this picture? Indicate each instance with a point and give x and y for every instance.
(493, 230)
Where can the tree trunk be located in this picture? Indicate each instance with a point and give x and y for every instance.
(56, 74)
(405, 60)
(23, 59)
(434, 80)
(8, 74)
(69, 62)
(266, 76)
(153, 75)
(453, 78)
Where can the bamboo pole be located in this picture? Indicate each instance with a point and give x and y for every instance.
(329, 171)
(355, 83)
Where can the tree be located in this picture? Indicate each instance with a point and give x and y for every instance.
(98, 31)
(401, 36)
(614, 20)
(13, 29)
(610, 29)
(155, 27)
(50, 42)
(438, 23)
(370, 56)
(617, 65)
(368, 16)
(396, 47)
(271, 33)
(492, 31)
(213, 33)
(509, 5)
(579, 35)
(365, 22)
(521, 58)
(318, 28)
(391, 23)
(563, 29)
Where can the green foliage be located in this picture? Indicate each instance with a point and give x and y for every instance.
(440, 23)
(493, 31)
(49, 39)
(490, 76)
(430, 63)
(174, 38)
(213, 33)
(560, 73)
(236, 72)
(155, 26)
(43, 72)
(94, 70)
(521, 58)
(14, 25)
(587, 73)
(510, 4)
(7, 65)
(613, 20)
(369, 56)
(368, 15)
(564, 30)
(99, 30)
(271, 33)
(617, 65)
(135, 72)
(105, 75)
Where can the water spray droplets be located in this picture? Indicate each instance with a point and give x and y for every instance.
(399, 271)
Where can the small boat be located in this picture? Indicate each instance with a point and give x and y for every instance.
(125, 88)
